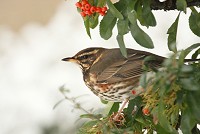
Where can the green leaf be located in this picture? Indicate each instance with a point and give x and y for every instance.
(91, 116)
(185, 52)
(172, 31)
(122, 26)
(189, 84)
(143, 80)
(93, 21)
(196, 53)
(120, 40)
(187, 121)
(114, 11)
(87, 26)
(194, 22)
(190, 48)
(104, 102)
(132, 16)
(106, 25)
(131, 5)
(147, 14)
(192, 99)
(138, 34)
(181, 5)
(114, 108)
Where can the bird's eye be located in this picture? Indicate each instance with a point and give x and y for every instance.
(84, 57)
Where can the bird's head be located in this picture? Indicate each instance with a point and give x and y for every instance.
(86, 57)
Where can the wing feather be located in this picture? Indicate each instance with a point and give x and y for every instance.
(123, 69)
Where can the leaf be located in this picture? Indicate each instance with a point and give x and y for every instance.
(106, 25)
(172, 31)
(187, 121)
(147, 14)
(143, 80)
(114, 108)
(194, 22)
(138, 34)
(87, 26)
(91, 116)
(181, 5)
(190, 48)
(122, 26)
(163, 119)
(189, 84)
(131, 5)
(192, 99)
(104, 102)
(113, 10)
(120, 40)
(185, 52)
(93, 21)
(197, 52)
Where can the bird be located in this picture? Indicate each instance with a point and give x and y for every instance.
(110, 75)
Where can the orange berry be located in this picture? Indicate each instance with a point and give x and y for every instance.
(83, 14)
(83, 8)
(102, 13)
(98, 9)
(103, 9)
(88, 13)
(84, 2)
(87, 6)
(92, 9)
(145, 111)
(78, 4)
(133, 92)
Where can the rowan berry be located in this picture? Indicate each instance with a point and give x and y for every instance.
(145, 111)
(87, 7)
(84, 2)
(83, 8)
(133, 92)
(78, 4)
(92, 9)
(83, 14)
(88, 13)
(98, 9)
(103, 9)
(102, 13)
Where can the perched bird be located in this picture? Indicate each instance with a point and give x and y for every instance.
(111, 76)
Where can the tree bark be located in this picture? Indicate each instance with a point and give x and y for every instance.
(171, 4)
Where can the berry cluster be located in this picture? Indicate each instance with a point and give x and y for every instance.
(88, 9)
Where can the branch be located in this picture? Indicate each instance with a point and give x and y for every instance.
(171, 4)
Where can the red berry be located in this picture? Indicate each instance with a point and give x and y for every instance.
(98, 9)
(78, 4)
(87, 6)
(83, 8)
(92, 9)
(84, 2)
(103, 9)
(133, 92)
(145, 111)
(82, 14)
(88, 13)
(102, 13)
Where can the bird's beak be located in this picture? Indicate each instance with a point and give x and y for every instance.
(70, 59)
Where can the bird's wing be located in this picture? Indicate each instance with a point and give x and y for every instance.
(125, 69)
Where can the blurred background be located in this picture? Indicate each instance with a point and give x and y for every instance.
(34, 36)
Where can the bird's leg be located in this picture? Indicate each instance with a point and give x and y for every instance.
(121, 109)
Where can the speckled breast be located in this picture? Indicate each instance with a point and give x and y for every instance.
(115, 92)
